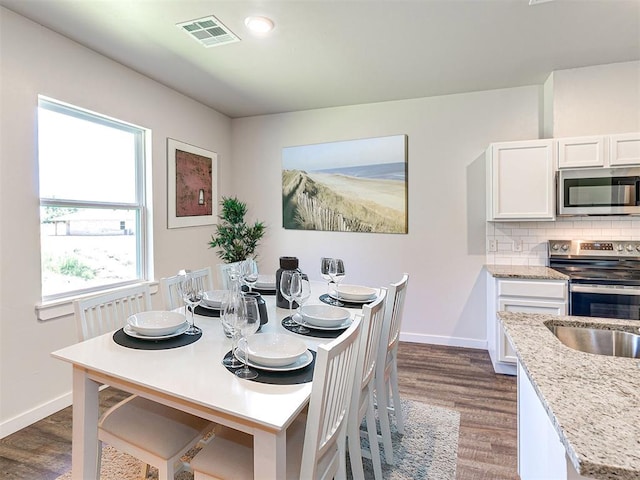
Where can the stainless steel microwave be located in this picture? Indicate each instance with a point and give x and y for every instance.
(599, 191)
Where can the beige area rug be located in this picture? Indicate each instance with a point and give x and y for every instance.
(428, 450)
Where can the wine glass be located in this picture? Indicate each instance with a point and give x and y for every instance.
(324, 271)
(249, 272)
(289, 287)
(248, 324)
(302, 295)
(191, 290)
(336, 272)
(230, 310)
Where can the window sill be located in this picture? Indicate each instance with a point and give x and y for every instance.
(63, 307)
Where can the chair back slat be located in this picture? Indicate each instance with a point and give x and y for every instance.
(169, 287)
(329, 404)
(104, 313)
(373, 319)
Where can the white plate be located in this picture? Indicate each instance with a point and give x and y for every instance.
(322, 315)
(304, 360)
(342, 299)
(275, 349)
(156, 323)
(356, 292)
(132, 333)
(213, 298)
(207, 307)
(266, 282)
(300, 321)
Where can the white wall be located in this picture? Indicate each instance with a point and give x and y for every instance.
(596, 100)
(444, 250)
(34, 60)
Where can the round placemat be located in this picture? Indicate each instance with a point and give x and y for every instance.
(328, 299)
(261, 291)
(125, 340)
(304, 375)
(312, 331)
(206, 312)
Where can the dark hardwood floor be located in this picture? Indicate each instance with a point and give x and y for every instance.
(457, 378)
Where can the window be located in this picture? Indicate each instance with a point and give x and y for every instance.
(92, 200)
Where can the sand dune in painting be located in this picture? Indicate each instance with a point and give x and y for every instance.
(328, 201)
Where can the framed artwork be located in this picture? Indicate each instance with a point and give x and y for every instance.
(348, 186)
(192, 195)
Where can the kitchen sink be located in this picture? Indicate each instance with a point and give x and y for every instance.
(601, 342)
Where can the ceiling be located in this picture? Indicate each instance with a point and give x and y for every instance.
(327, 53)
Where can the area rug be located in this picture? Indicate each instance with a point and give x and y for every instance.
(428, 450)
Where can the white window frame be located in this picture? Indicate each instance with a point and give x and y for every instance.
(140, 205)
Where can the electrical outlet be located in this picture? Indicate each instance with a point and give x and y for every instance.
(517, 245)
(493, 245)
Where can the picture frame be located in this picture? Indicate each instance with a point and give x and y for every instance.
(192, 193)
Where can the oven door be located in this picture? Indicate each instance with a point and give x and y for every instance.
(608, 301)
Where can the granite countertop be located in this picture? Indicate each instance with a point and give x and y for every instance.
(593, 401)
(525, 272)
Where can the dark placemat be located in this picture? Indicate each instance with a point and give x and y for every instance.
(125, 340)
(326, 298)
(312, 331)
(304, 375)
(261, 291)
(206, 312)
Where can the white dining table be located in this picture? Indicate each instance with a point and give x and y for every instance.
(190, 378)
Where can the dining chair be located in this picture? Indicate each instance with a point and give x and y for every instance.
(386, 379)
(169, 287)
(362, 396)
(316, 442)
(154, 433)
(224, 269)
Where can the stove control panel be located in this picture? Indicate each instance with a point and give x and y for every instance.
(594, 248)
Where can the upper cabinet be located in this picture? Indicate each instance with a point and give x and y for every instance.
(520, 181)
(599, 151)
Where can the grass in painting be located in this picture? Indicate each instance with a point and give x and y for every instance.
(337, 202)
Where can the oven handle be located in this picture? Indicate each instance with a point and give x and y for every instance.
(605, 289)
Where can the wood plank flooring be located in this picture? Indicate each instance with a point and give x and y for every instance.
(457, 378)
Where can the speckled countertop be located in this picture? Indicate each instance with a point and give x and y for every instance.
(593, 401)
(516, 271)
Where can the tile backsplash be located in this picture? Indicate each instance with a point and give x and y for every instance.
(533, 236)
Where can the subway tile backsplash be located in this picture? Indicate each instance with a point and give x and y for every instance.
(534, 236)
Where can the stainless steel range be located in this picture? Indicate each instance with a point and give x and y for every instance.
(604, 276)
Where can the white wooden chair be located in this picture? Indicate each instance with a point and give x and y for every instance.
(169, 287)
(362, 396)
(224, 269)
(154, 433)
(316, 445)
(387, 393)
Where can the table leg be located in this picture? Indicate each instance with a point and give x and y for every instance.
(84, 456)
(270, 455)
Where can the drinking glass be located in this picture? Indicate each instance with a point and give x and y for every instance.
(324, 271)
(249, 272)
(248, 324)
(230, 310)
(303, 294)
(336, 272)
(191, 290)
(290, 287)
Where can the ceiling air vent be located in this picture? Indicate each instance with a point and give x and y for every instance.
(208, 31)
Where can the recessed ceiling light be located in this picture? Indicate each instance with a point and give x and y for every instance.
(259, 24)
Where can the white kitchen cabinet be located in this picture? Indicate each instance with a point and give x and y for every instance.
(624, 149)
(541, 454)
(518, 295)
(520, 181)
(581, 152)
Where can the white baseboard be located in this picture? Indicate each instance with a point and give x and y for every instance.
(35, 414)
(440, 340)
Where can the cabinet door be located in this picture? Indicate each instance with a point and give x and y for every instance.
(581, 152)
(521, 181)
(505, 350)
(624, 149)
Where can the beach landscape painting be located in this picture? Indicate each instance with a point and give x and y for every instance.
(347, 186)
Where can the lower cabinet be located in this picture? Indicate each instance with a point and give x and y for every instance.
(541, 454)
(518, 295)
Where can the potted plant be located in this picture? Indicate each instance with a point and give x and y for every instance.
(235, 239)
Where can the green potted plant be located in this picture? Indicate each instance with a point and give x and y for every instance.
(235, 239)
